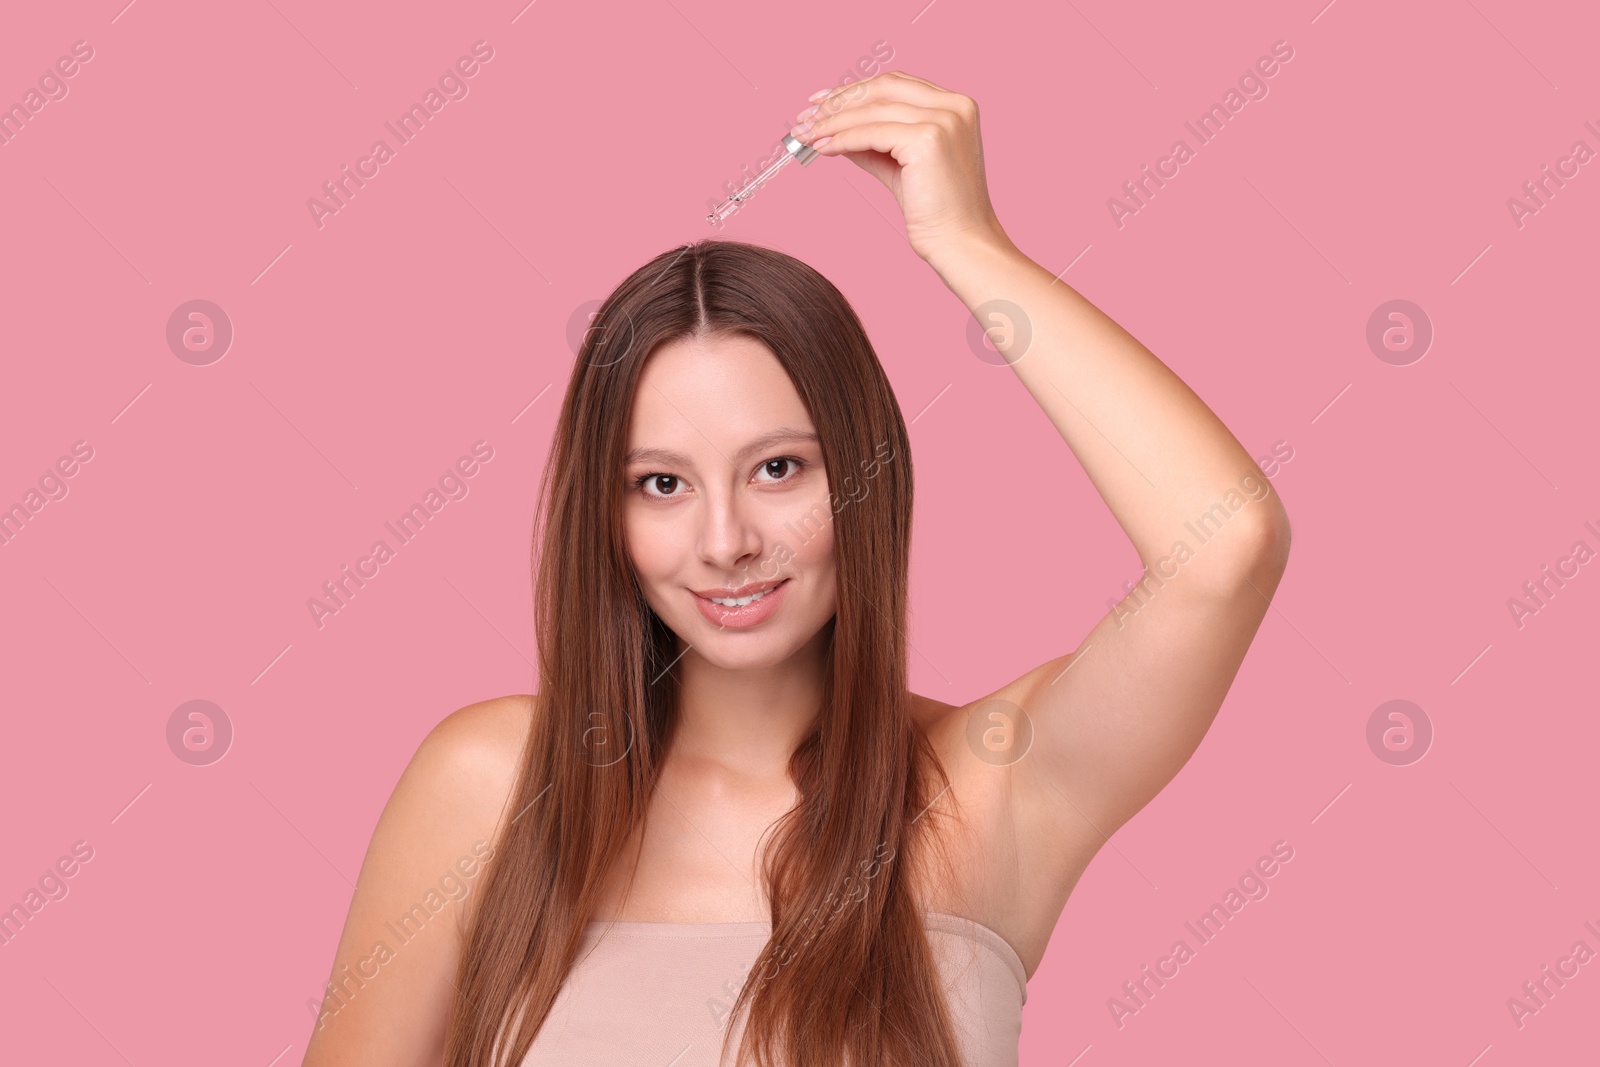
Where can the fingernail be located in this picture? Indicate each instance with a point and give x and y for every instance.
(820, 92)
(819, 144)
(806, 114)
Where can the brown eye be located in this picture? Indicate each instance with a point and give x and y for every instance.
(655, 480)
(783, 465)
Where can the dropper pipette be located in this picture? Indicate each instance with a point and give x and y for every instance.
(795, 150)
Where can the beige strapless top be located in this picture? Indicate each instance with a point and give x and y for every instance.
(660, 993)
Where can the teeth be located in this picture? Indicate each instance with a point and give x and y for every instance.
(742, 601)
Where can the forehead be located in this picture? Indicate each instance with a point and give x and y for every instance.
(709, 396)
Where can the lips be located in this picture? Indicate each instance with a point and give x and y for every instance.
(743, 590)
(748, 615)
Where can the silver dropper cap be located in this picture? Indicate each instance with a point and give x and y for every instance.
(803, 152)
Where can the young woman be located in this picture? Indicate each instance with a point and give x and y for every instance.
(724, 824)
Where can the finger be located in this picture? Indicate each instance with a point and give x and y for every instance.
(882, 111)
(889, 85)
(913, 77)
(886, 137)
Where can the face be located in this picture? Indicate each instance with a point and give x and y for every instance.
(724, 488)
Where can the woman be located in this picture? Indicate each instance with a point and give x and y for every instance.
(723, 824)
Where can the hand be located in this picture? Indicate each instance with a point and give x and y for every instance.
(923, 143)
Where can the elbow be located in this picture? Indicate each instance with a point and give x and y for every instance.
(1257, 555)
(1265, 553)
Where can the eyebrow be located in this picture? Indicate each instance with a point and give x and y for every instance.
(765, 441)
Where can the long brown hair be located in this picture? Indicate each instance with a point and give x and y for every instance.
(848, 975)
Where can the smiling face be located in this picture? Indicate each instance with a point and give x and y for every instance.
(724, 488)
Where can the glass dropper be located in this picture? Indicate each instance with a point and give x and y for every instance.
(795, 150)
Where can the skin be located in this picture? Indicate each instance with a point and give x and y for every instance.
(1113, 720)
(712, 523)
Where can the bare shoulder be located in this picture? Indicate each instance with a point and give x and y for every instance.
(467, 766)
(391, 984)
(480, 745)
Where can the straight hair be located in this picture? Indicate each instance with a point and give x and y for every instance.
(848, 975)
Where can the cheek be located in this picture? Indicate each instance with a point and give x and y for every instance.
(813, 552)
(653, 569)
(818, 551)
(816, 561)
(648, 547)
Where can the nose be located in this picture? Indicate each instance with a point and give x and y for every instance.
(730, 539)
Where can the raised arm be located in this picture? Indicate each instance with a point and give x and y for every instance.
(1115, 718)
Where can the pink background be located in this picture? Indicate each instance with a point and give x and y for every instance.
(434, 309)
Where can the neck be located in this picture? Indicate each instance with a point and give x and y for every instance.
(747, 720)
